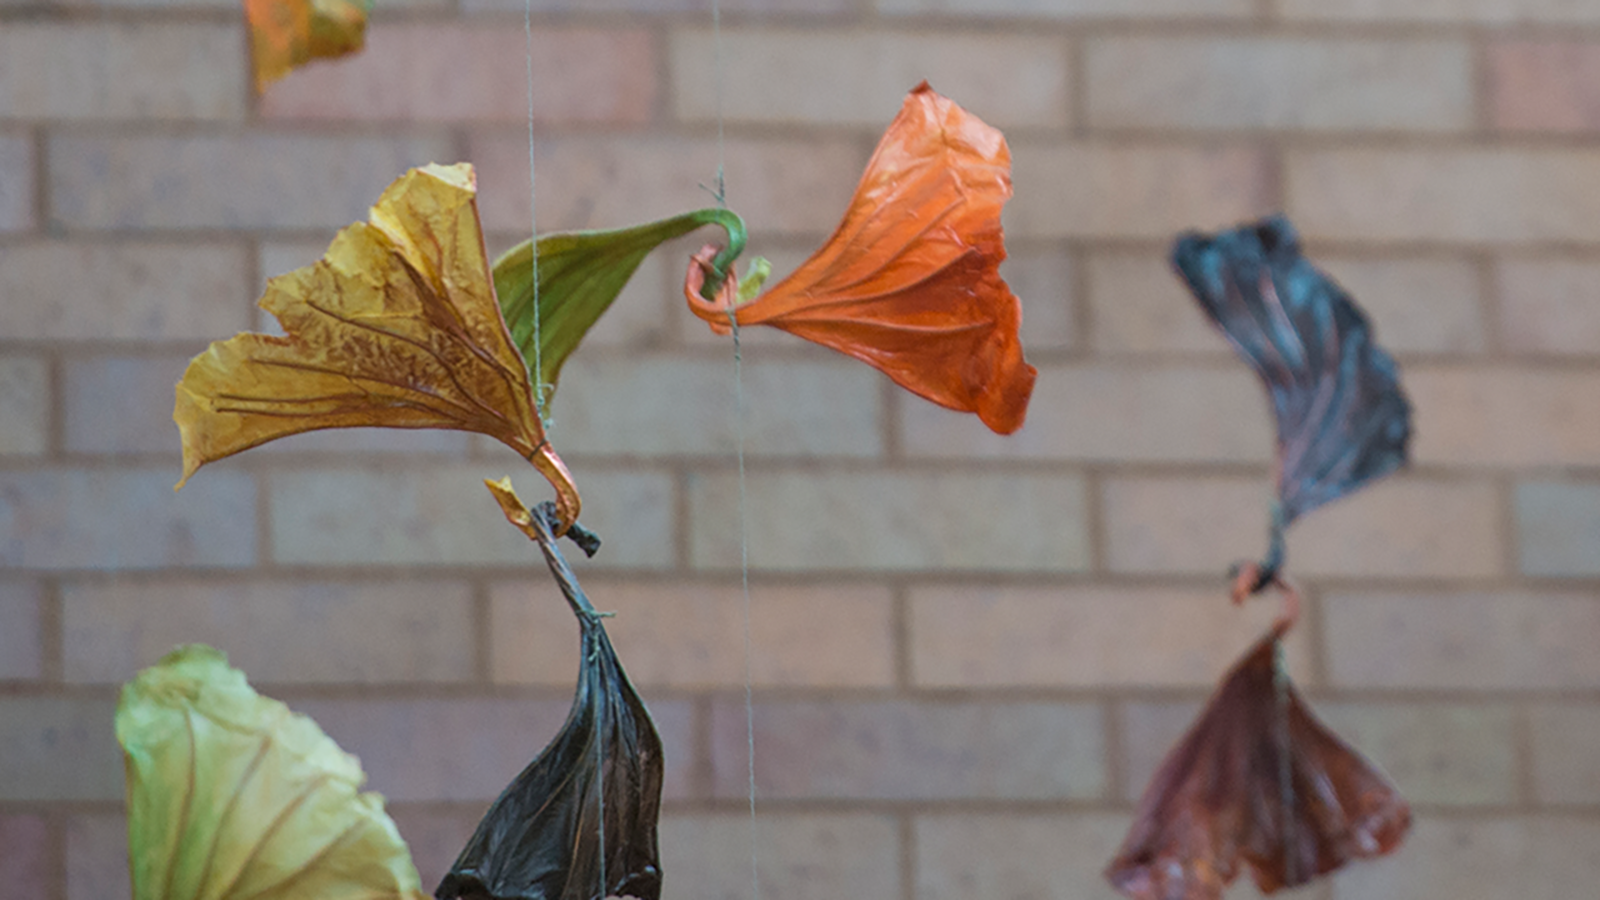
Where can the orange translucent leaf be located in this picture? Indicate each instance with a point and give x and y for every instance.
(910, 281)
(396, 326)
(285, 34)
(1257, 781)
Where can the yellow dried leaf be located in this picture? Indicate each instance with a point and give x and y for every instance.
(285, 34)
(396, 326)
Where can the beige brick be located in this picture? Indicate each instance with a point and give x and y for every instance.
(1558, 529)
(97, 857)
(58, 749)
(1404, 527)
(1082, 637)
(1447, 754)
(800, 856)
(274, 180)
(1278, 83)
(442, 515)
(1042, 279)
(784, 185)
(167, 70)
(1149, 729)
(860, 78)
(21, 633)
(1497, 196)
(367, 632)
(692, 636)
(1462, 642)
(1566, 771)
(59, 518)
(24, 405)
(1026, 855)
(1416, 304)
(57, 290)
(631, 404)
(1504, 416)
(1138, 305)
(456, 72)
(1407, 527)
(434, 836)
(1531, 857)
(467, 748)
(1549, 306)
(1544, 85)
(123, 405)
(910, 750)
(16, 182)
(1192, 525)
(1101, 189)
(1490, 12)
(25, 854)
(1111, 412)
(1071, 9)
(788, 8)
(890, 520)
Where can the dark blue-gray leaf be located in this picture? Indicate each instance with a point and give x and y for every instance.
(1342, 419)
(579, 823)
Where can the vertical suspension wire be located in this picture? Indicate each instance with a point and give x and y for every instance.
(541, 402)
(719, 80)
(539, 394)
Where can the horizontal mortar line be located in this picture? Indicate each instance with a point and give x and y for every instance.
(140, 130)
(730, 803)
(1251, 25)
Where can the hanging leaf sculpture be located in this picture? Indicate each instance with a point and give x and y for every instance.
(580, 273)
(396, 326)
(579, 823)
(232, 796)
(910, 281)
(1256, 782)
(1342, 419)
(286, 34)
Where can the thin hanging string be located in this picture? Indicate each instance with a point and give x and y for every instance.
(719, 79)
(539, 396)
(541, 400)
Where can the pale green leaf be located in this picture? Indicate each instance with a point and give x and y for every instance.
(232, 796)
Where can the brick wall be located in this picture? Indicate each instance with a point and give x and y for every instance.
(969, 651)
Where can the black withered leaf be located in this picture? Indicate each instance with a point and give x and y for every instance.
(1342, 419)
(543, 838)
(1256, 782)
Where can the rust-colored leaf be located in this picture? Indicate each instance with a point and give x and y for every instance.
(285, 34)
(396, 326)
(910, 281)
(1221, 797)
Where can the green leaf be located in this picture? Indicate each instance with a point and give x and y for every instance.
(580, 273)
(232, 796)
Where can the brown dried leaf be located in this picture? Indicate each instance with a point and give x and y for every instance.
(1218, 799)
(396, 326)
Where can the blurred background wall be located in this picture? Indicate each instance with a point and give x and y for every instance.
(970, 652)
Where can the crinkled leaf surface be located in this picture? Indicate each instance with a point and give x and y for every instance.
(1342, 419)
(579, 823)
(580, 274)
(233, 797)
(910, 281)
(396, 326)
(1217, 802)
(285, 34)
